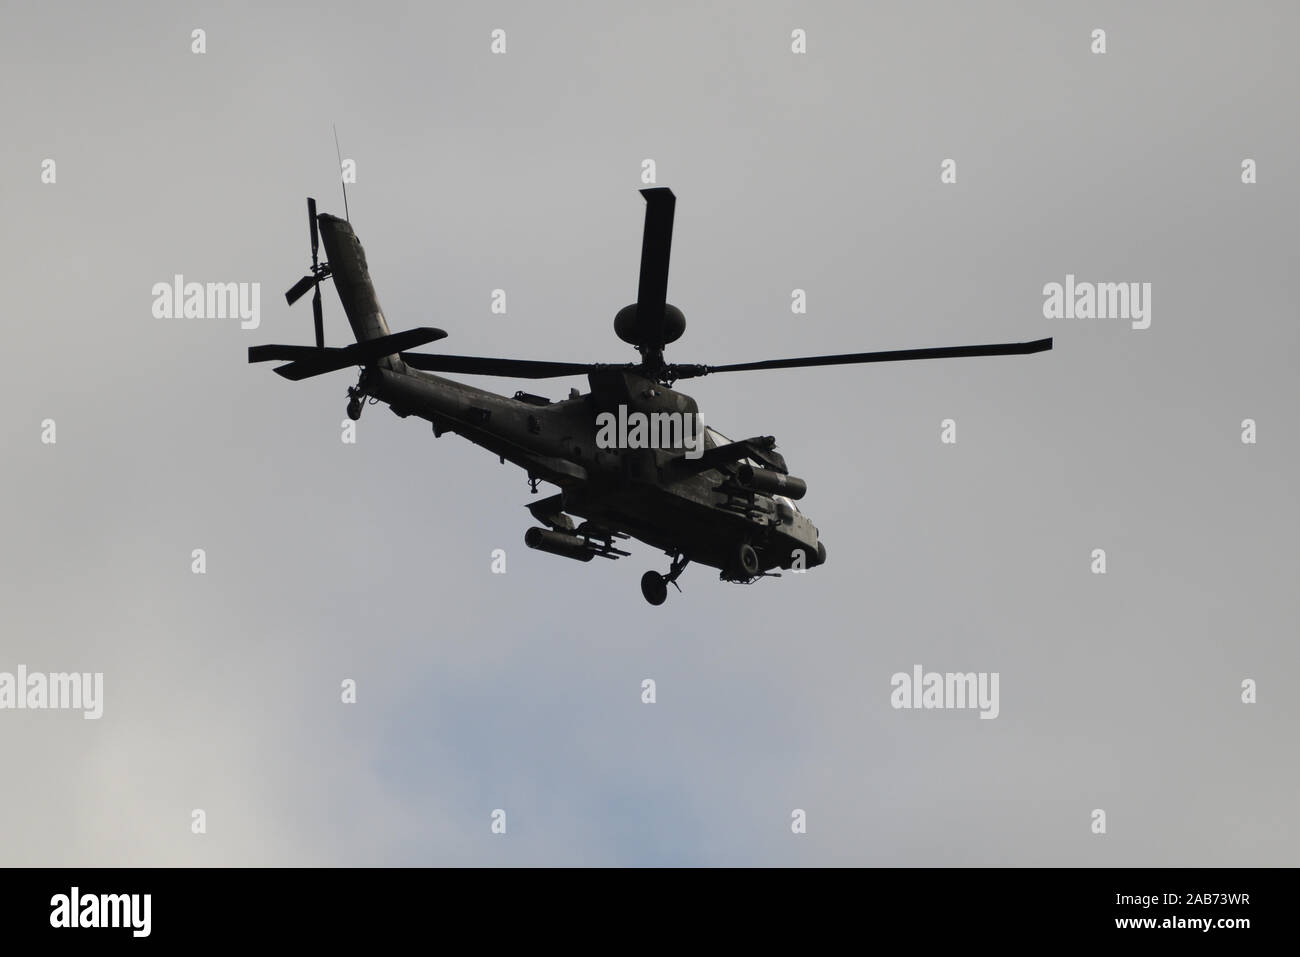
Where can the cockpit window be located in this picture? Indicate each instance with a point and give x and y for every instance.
(720, 439)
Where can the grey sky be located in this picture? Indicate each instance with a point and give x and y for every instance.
(522, 691)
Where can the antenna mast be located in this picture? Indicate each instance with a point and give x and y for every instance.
(342, 182)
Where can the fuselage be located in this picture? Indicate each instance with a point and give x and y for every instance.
(661, 496)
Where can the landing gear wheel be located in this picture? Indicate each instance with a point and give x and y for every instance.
(654, 587)
(747, 560)
(355, 400)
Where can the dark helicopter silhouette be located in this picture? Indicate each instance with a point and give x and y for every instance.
(699, 496)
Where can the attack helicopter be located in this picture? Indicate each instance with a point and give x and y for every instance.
(684, 489)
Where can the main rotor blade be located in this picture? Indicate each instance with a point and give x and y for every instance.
(311, 222)
(656, 245)
(320, 319)
(947, 352)
(485, 365)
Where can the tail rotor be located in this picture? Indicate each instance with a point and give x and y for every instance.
(319, 273)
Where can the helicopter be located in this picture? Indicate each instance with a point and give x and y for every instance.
(693, 493)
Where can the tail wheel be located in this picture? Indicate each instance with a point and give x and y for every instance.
(654, 588)
(747, 560)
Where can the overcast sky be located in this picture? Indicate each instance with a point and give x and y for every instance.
(372, 562)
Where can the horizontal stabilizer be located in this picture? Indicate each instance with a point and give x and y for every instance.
(308, 361)
(285, 353)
